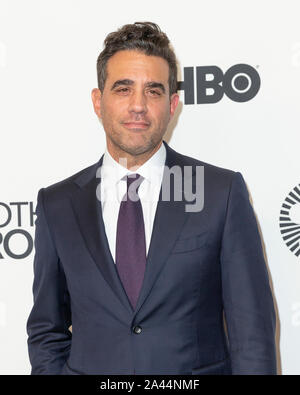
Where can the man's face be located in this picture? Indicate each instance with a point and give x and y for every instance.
(135, 106)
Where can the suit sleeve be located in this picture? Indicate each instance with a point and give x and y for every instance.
(247, 298)
(49, 339)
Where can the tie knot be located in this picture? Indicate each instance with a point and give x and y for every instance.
(135, 177)
(133, 183)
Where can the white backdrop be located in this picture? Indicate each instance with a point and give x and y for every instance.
(48, 52)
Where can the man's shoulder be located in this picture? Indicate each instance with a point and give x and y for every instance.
(218, 181)
(67, 185)
(212, 172)
(208, 165)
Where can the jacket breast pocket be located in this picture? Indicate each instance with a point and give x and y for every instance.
(191, 243)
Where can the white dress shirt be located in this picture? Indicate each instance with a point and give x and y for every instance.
(113, 188)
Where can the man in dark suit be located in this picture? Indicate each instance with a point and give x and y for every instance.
(151, 283)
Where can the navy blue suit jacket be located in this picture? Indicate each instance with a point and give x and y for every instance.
(200, 266)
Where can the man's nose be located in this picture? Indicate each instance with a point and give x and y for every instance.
(138, 102)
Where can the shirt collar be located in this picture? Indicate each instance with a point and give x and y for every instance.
(151, 170)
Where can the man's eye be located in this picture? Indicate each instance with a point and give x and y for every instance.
(154, 93)
(122, 90)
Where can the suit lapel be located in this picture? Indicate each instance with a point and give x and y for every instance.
(169, 219)
(87, 209)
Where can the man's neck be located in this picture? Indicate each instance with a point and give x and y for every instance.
(132, 162)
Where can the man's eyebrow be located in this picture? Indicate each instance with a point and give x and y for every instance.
(127, 82)
(122, 82)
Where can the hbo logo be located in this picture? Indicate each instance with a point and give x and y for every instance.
(240, 83)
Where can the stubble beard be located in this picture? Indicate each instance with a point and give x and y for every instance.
(137, 150)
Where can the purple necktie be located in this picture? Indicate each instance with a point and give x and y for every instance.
(130, 241)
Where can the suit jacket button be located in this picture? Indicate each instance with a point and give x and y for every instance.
(137, 329)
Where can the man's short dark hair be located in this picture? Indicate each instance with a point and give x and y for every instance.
(145, 37)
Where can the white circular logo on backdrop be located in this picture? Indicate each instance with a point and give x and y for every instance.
(289, 220)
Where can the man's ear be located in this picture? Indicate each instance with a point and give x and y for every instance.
(96, 98)
(173, 103)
